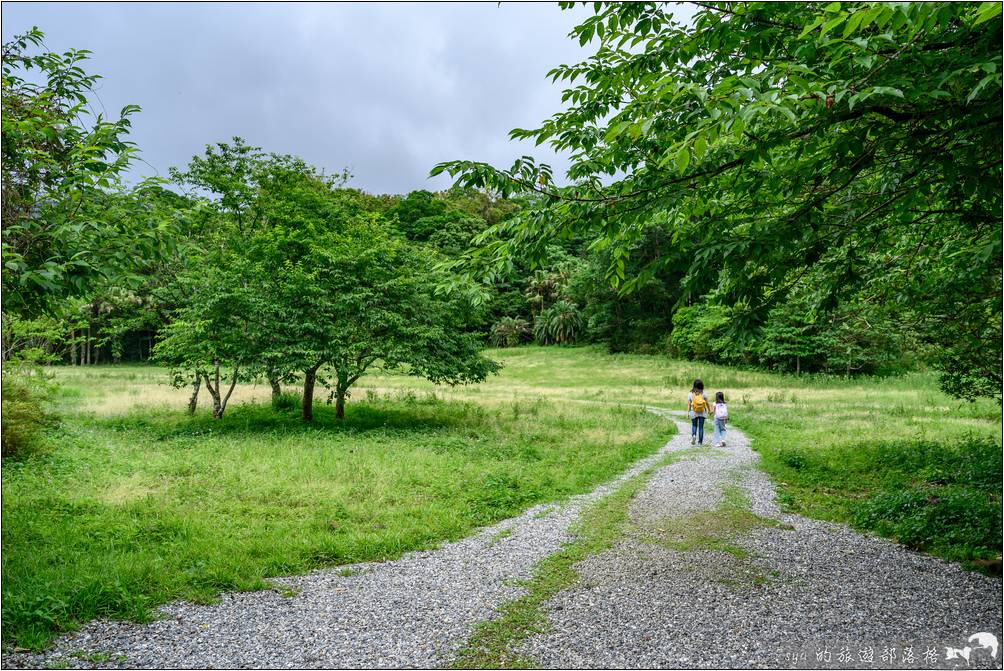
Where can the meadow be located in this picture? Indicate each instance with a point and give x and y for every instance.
(134, 503)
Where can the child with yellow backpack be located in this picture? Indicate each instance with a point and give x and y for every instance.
(697, 406)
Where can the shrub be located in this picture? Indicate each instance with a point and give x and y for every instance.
(286, 401)
(561, 323)
(510, 331)
(24, 413)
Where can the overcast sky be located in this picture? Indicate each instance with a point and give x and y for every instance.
(387, 90)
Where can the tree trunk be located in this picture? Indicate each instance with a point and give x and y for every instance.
(341, 389)
(340, 404)
(276, 388)
(87, 346)
(73, 347)
(307, 405)
(233, 384)
(194, 400)
(798, 365)
(215, 392)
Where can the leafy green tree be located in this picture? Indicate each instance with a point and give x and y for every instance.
(416, 214)
(210, 338)
(791, 338)
(304, 280)
(699, 332)
(237, 184)
(372, 301)
(61, 235)
(862, 140)
(642, 320)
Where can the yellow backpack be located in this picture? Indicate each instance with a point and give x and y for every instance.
(699, 404)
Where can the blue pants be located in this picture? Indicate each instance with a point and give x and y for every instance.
(697, 428)
(719, 431)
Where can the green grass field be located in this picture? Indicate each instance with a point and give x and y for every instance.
(136, 503)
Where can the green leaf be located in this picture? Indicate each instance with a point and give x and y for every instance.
(700, 146)
(987, 11)
(830, 25)
(888, 90)
(854, 21)
(982, 84)
(683, 159)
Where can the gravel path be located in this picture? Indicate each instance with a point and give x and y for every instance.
(792, 593)
(415, 611)
(785, 591)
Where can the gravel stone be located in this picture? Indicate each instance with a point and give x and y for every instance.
(806, 588)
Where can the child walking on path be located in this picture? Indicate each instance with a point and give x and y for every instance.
(721, 415)
(697, 406)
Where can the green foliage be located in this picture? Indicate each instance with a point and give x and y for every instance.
(150, 506)
(560, 324)
(309, 279)
(698, 331)
(510, 332)
(940, 497)
(25, 416)
(642, 320)
(286, 402)
(416, 207)
(67, 222)
(858, 140)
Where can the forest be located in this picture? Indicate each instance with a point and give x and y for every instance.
(803, 199)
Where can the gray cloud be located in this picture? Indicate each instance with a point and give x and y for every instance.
(385, 89)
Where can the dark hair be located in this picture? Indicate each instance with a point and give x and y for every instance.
(719, 397)
(698, 385)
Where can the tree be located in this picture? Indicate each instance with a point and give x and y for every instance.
(241, 182)
(561, 324)
(510, 332)
(368, 298)
(861, 140)
(209, 339)
(63, 227)
(301, 278)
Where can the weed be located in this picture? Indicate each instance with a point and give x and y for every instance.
(500, 536)
(99, 657)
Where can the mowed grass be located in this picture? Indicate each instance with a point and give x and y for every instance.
(138, 504)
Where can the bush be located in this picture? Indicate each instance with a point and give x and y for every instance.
(561, 323)
(964, 523)
(24, 413)
(510, 331)
(284, 402)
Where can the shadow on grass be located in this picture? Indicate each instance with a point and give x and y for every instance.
(422, 416)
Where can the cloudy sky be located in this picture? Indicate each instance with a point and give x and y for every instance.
(387, 90)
